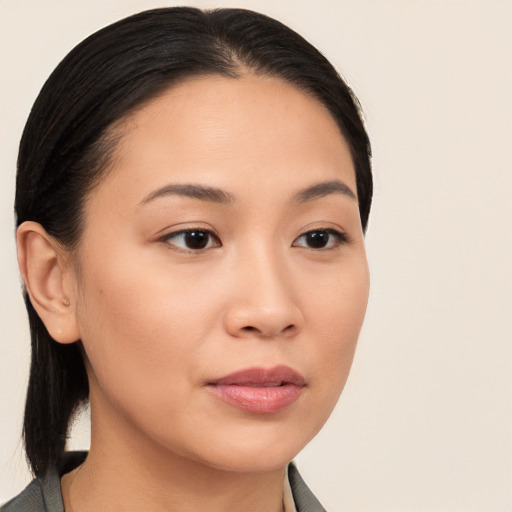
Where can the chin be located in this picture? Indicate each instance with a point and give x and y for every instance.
(260, 460)
(262, 448)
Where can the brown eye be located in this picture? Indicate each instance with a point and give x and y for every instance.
(321, 239)
(196, 239)
(317, 239)
(192, 239)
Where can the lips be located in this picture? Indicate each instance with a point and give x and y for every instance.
(259, 390)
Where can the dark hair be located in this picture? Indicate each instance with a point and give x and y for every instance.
(68, 140)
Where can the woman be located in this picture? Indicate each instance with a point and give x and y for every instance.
(192, 193)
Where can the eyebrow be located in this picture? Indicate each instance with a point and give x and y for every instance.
(324, 189)
(217, 195)
(211, 194)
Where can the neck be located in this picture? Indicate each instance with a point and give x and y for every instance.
(125, 471)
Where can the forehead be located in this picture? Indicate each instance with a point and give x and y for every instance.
(228, 132)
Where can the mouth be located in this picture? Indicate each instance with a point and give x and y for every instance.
(259, 390)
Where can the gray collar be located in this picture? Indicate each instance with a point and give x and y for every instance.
(44, 494)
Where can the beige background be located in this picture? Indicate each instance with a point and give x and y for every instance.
(425, 423)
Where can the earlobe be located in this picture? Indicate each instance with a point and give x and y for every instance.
(46, 276)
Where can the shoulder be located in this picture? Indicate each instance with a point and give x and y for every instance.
(29, 500)
(43, 494)
(305, 500)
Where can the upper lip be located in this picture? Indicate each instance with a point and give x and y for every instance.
(276, 376)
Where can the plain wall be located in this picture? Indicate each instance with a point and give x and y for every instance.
(425, 421)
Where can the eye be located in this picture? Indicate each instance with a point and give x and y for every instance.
(321, 239)
(192, 239)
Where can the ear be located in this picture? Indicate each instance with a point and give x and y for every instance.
(49, 281)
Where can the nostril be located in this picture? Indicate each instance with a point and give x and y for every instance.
(289, 329)
(265, 333)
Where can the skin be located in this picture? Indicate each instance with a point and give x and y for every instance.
(158, 320)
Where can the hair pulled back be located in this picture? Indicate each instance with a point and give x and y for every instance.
(68, 140)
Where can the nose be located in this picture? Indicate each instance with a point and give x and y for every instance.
(263, 301)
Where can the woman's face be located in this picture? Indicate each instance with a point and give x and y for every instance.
(222, 277)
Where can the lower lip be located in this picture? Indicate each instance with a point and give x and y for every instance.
(258, 399)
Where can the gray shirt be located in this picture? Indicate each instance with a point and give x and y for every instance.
(44, 495)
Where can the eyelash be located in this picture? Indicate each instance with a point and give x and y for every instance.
(184, 232)
(339, 237)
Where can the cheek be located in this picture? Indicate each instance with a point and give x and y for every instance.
(140, 327)
(336, 316)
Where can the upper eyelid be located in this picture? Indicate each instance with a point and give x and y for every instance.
(334, 231)
(176, 230)
(182, 231)
(329, 229)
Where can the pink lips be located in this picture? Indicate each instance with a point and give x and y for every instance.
(260, 390)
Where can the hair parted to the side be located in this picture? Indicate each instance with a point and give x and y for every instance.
(68, 140)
